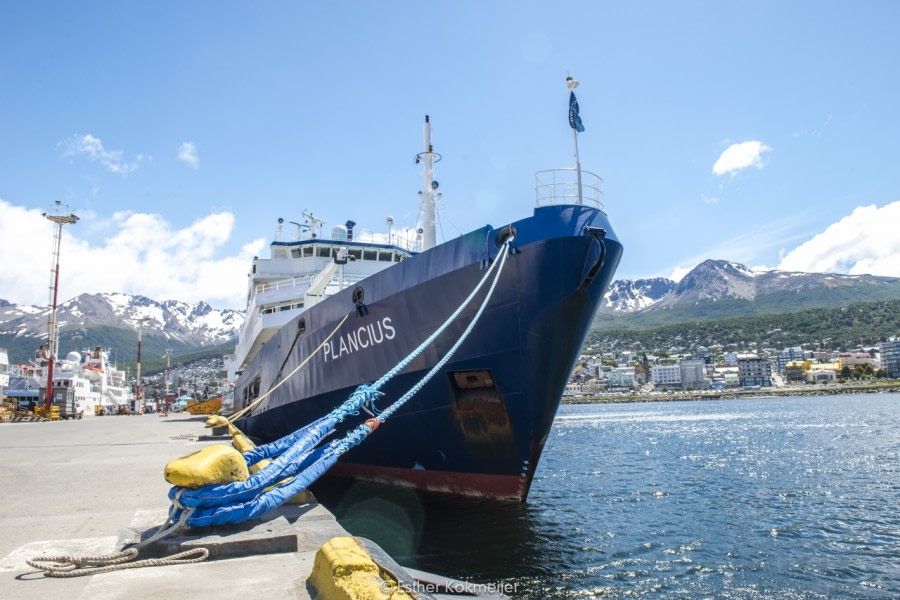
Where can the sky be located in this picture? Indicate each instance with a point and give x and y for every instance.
(762, 132)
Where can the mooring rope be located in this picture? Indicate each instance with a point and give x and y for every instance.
(68, 565)
(368, 393)
(359, 433)
(253, 404)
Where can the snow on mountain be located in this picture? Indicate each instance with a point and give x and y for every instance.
(626, 295)
(195, 324)
(715, 280)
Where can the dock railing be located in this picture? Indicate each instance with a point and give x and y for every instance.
(560, 186)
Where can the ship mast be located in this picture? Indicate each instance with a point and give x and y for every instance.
(428, 157)
(52, 338)
(575, 123)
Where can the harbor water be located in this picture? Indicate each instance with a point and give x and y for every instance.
(795, 497)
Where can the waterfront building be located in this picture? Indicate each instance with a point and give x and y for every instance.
(796, 370)
(693, 374)
(818, 375)
(620, 378)
(794, 354)
(666, 376)
(592, 387)
(754, 371)
(890, 357)
(851, 359)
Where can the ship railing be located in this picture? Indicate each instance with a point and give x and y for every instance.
(560, 186)
(283, 284)
(403, 238)
(348, 279)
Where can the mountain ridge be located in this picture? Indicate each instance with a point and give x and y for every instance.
(113, 319)
(714, 289)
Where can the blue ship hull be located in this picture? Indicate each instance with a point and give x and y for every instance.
(479, 426)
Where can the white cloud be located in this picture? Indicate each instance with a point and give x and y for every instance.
(92, 147)
(678, 273)
(863, 242)
(143, 254)
(740, 156)
(187, 153)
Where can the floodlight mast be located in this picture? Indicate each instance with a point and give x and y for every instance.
(52, 335)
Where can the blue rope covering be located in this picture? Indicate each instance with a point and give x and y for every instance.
(363, 395)
(288, 464)
(322, 427)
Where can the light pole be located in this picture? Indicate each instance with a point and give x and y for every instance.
(52, 338)
(168, 377)
(138, 403)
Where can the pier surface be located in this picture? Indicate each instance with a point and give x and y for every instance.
(78, 487)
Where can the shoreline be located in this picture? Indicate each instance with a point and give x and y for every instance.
(834, 390)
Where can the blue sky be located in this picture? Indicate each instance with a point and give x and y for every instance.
(761, 132)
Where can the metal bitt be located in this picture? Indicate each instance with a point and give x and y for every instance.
(52, 338)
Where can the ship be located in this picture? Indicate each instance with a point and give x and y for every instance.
(98, 387)
(327, 313)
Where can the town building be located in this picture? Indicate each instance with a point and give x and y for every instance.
(851, 359)
(754, 371)
(620, 378)
(796, 370)
(666, 376)
(890, 357)
(817, 374)
(693, 374)
(795, 354)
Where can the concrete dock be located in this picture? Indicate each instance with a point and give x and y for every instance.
(87, 487)
(76, 487)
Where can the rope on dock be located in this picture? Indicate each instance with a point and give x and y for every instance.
(68, 565)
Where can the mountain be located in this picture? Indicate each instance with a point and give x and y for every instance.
(111, 321)
(714, 289)
(718, 289)
(626, 295)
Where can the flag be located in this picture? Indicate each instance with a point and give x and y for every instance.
(574, 119)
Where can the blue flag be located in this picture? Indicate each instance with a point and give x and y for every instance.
(574, 119)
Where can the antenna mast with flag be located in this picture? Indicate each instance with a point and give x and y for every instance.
(575, 124)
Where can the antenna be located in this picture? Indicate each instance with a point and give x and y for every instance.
(428, 157)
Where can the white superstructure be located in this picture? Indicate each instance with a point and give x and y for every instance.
(307, 269)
